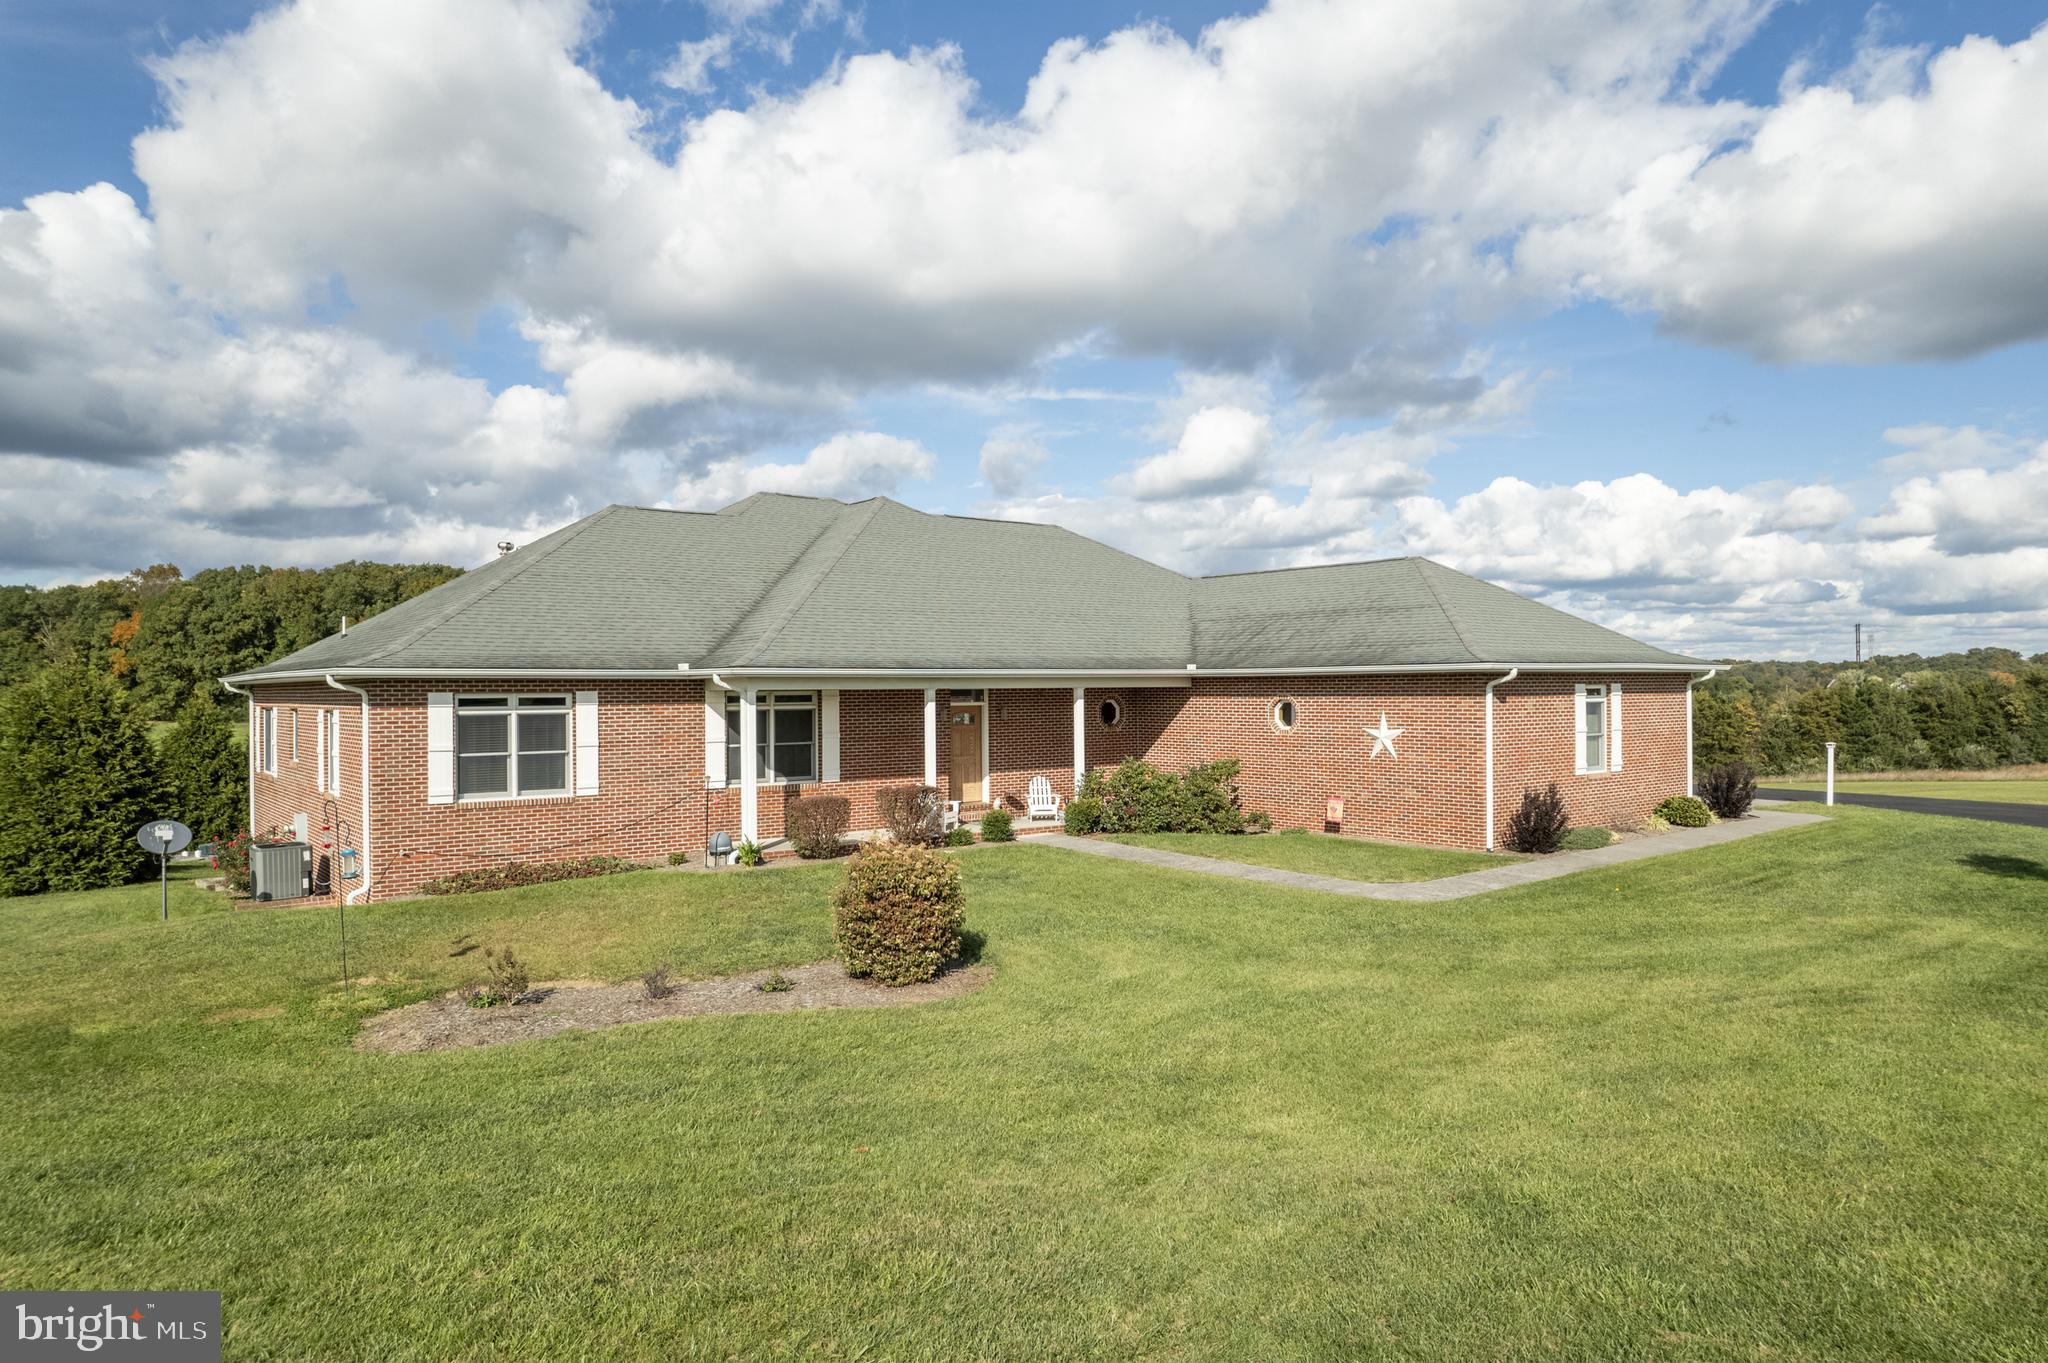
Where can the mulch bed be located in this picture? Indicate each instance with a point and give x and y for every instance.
(447, 1023)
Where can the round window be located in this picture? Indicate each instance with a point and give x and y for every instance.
(1283, 715)
(1110, 712)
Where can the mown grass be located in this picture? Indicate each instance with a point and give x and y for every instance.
(2032, 791)
(1319, 854)
(1779, 1099)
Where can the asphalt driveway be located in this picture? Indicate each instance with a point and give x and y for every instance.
(2033, 816)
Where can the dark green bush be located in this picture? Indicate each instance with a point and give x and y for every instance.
(817, 825)
(1729, 789)
(1137, 797)
(913, 814)
(1585, 839)
(205, 771)
(897, 914)
(996, 826)
(960, 835)
(1084, 815)
(516, 873)
(1538, 823)
(78, 776)
(1683, 811)
(679, 858)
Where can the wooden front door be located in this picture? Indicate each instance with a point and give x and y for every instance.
(969, 781)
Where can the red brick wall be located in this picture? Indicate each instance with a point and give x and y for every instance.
(652, 797)
(332, 818)
(1534, 728)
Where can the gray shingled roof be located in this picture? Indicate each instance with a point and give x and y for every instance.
(801, 582)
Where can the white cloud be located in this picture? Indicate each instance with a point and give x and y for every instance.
(850, 466)
(690, 69)
(1221, 449)
(1970, 510)
(1009, 463)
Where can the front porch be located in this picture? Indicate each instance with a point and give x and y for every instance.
(980, 746)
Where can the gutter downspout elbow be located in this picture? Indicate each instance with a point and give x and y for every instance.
(1511, 674)
(369, 863)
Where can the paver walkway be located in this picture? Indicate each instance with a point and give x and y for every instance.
(1995, 811)
(1452, 887)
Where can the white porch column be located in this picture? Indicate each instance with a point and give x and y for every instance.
(1080, 737)
(750, 765)
(931, 736)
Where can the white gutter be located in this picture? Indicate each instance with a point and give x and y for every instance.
(369, 865)
(1175, 675)
(1690, 788)
(249, 745)
(1512, 673)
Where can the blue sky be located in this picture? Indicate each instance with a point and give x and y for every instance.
(1717, 322)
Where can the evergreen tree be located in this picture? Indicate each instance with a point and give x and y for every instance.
(1724, 729)
(78, 777)
(206, 772)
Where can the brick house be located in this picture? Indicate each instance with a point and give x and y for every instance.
(641, 679)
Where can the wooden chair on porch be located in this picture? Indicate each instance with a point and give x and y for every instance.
(1040, 802)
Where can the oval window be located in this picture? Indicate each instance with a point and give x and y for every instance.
(1283, 715)
(1110, 712)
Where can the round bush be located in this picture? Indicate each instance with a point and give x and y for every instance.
(1683, 811)
(995, 826)
(1084, 815)
(1585, 839)
(897, 914)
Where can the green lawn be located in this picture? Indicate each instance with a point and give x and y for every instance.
(1779, 1099)
(1319, 854)
(2026, 792)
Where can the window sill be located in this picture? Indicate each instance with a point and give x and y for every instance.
(522, 798)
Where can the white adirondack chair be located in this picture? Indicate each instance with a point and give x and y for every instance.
(1040, 802)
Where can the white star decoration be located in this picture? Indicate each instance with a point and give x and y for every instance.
(1383, 738)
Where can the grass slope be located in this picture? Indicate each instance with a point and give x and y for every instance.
(2028, 792)
(1776, 1099)
(1319, 854)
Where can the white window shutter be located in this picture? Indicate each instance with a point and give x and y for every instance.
(440, 747)
(320, 751)
(586, 742)
(714, 734)
(828, 738)
(1579, 730)
(1614, 726)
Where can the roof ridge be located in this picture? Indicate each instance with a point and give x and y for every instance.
(865, 518)
(1315, 567)
(1451, 619)
(513, 573)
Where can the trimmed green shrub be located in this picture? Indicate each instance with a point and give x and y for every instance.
(817, 825)
(1538, 823)
(1137, 797)
(206, 771)
(516, 873)
(913, 814)
(996, 826)
(1683, 811)
(1585, 839)
(679, 858)
(78, 776)
(1729, 789)
(960, 835)
(897, 914)
(1084, 815)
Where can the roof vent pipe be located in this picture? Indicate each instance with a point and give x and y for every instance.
(504, 548)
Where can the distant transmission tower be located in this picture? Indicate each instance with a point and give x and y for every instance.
(1859, 643)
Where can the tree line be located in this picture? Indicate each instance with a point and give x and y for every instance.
(1984, 708)
(84, 670)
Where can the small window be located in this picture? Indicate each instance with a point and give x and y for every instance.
(1111, 713)
(295, 733)
(266, 739)
(1283, 715)
(1593, 720)
(511, 745)
(786, 737)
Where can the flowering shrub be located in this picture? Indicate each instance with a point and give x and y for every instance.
(231, 857)
(898, 912)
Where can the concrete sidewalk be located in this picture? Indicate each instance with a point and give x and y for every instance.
(1500, 877)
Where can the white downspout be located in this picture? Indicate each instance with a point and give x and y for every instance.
(250, 750)
(1512, 673)
(1690, 788)
(369, 861)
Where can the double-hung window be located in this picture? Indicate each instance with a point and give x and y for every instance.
(266, 739)
(1593, 726)
(785, 737)
(508, 746)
